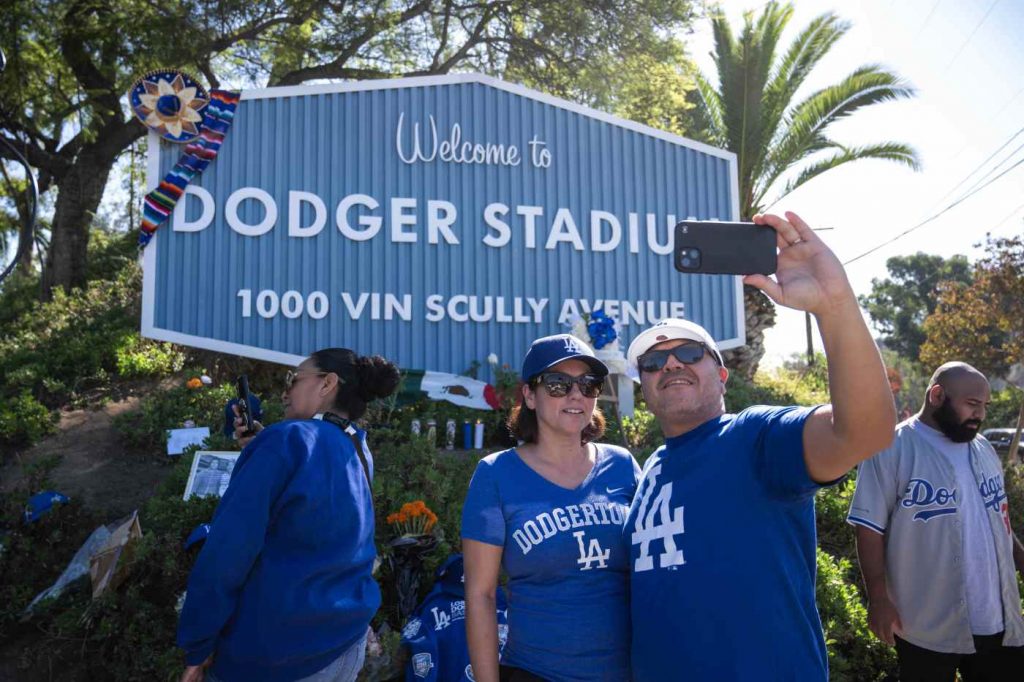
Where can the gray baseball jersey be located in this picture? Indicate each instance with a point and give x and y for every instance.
(908, 493)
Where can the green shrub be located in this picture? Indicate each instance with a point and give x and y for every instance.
(136, 356)
(58, 350)
(127, 634)
(854, 654)
(146, 428)
(24, 420)
(1005, 407)
(1013, 484)
(835, 535)
(35, 554)
(409, 469)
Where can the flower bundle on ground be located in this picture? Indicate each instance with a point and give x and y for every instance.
(414, 518)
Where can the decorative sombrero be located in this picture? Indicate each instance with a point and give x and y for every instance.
(168, 101)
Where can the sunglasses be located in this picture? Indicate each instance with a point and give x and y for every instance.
(559, 385)
(292, 376)
(688, 354)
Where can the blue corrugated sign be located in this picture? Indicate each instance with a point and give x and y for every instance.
(433, 220)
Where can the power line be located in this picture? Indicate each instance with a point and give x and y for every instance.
(979, 166)
(1004, 220)
(925, 22)
(928, 220)
(996, 167)
(965, 43)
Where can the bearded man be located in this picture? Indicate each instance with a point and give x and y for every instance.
(935, 544)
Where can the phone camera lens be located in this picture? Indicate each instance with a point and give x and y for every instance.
(694, 253)
(687, 262)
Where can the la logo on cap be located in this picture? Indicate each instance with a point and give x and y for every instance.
(571, 346)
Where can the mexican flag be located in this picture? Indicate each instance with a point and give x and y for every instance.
(460, 390)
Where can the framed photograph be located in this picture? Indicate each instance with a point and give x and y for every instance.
(210, 474)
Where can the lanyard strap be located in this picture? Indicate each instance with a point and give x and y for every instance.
(346, 426)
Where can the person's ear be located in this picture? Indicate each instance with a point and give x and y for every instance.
(936, 395)
(529, 397)
(330, 382)
(723, 375)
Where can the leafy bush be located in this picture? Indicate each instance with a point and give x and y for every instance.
(136, 356)
(35, 554)
(126, 634)
(1005, 407)
(854, 654)
(1013, 484)
(61, 348)
(23, 420)
(146, 428)
(409, 469)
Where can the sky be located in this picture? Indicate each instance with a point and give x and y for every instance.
(966, 61)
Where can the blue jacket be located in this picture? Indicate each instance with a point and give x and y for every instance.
(436, 631)
(283, 585)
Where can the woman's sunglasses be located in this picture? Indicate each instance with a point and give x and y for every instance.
(688, 354)
(558, 384)
(291, 376)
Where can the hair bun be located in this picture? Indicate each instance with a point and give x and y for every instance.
(378, 377)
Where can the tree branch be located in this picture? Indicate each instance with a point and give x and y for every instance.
(336, 68)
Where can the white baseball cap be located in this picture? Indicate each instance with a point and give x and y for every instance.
(670, 329)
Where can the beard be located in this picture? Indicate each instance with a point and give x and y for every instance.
(950, 425)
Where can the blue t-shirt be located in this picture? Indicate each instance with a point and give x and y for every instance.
(567, 562)
(722, 547)
(283, 585)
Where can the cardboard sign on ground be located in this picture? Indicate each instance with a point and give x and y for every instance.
(107, 567)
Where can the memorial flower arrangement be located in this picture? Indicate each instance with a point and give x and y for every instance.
(413, 524)
(601, 331)
(194, 383)
(413, 519)
(595, 328)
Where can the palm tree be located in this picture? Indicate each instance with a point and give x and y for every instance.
(753, 112)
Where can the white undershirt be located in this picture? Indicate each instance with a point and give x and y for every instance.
(980, 567)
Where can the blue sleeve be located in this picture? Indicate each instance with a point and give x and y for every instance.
(423, 662)
(236, 539)
(779, 451)
(482, 517)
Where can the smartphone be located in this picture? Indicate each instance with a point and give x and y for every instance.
(711, 247)
(244, 402)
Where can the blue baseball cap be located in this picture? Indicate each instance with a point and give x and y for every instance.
(548, 351)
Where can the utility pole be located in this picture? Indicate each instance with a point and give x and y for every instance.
(810, 340)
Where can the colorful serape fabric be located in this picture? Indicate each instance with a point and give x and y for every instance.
(158, 204)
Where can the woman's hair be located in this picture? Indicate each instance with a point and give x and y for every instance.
(522, 422)
(362, 378)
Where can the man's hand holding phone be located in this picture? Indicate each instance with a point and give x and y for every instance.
(809, 276)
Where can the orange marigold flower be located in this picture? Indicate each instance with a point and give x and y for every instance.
(194, 382)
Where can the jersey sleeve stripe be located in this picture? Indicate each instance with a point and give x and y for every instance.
(858, 521)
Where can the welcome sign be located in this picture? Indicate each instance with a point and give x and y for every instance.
(433, 220)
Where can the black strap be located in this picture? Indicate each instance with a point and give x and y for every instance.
(347, 426)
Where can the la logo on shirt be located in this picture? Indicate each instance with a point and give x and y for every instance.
(657, 520)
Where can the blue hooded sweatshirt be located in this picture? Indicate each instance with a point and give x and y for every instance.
(283, 585)
(436, 631)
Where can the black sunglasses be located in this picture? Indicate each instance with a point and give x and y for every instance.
(559, 384)
(688, 354)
